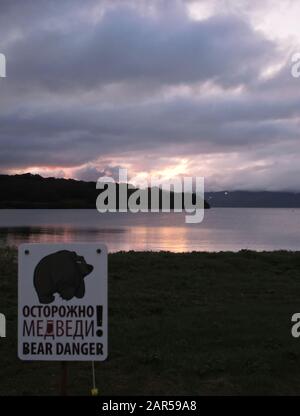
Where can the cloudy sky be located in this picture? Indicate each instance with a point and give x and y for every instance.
(161, 87)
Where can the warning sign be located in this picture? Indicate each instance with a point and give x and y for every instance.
(62, 302)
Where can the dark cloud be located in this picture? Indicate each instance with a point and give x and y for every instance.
(111, 79)
(68, 137)
(127, 47)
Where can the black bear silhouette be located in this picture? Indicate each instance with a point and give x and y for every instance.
(62, 272)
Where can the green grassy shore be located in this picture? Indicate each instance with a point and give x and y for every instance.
(194, 323)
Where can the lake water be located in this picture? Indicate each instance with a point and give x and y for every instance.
(222, 229)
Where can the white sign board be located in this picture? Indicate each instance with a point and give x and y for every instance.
(62, 302)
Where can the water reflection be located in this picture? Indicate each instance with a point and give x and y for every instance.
(13, 236)
(222, 229)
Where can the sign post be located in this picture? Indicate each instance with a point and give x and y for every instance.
(62, 312)
(63, 378)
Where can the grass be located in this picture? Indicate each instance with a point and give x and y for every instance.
(196, 323)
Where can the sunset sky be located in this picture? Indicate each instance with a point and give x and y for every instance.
(161, 87)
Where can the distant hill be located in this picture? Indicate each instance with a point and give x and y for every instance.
(34, 191)
(262, 199)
